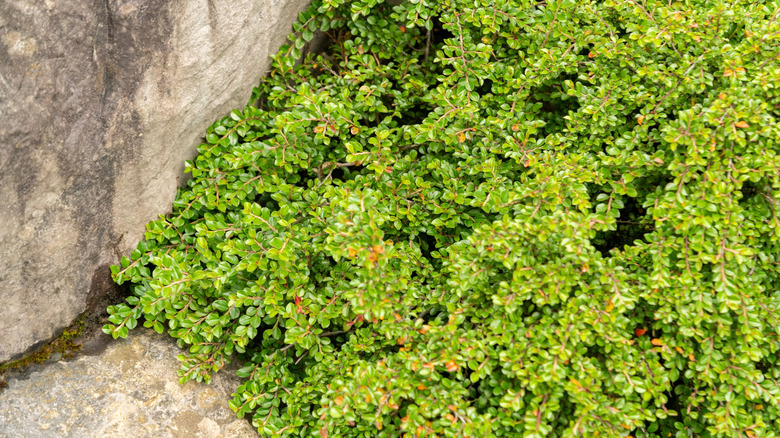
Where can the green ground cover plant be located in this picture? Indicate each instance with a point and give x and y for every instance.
(472, 218)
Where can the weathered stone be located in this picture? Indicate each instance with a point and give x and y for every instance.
(129, 390)
(101, 101)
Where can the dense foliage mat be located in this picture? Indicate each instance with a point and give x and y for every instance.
(489, 219)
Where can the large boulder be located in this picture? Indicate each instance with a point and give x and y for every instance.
(101, 101)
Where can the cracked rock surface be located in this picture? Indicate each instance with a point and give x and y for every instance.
(130, 389)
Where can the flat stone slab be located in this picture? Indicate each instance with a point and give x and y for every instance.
(130, 389)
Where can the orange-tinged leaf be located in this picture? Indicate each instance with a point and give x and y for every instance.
(657, 342)
(722, 96)
(728, 72)
(339, 400)
(324, 432)
(421, 387)
(450, 417)
(452, 366)
(741, 124)
(378, 424)
(609, 307)
(515, 127)
(461, 137)
(679, 350)
(759, 407)
(640, 119)
(319, 129)
(640, 331)
(354, 130)
(591, 55)
(691, 358)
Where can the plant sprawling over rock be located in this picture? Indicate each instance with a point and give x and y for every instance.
(489, 219)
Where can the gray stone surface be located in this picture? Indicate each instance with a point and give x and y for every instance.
(101, 101)
(130, 390)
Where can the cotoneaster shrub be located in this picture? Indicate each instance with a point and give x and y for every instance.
(489, 219)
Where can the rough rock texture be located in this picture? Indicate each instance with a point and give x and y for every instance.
(101, 101)
(130, 390)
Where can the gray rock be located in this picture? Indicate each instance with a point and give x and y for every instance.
(101, 101)
(129, 390)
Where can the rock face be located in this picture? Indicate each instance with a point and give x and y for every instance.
(129, 390)
(101, 101)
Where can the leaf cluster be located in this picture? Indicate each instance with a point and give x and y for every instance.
(488, 219)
